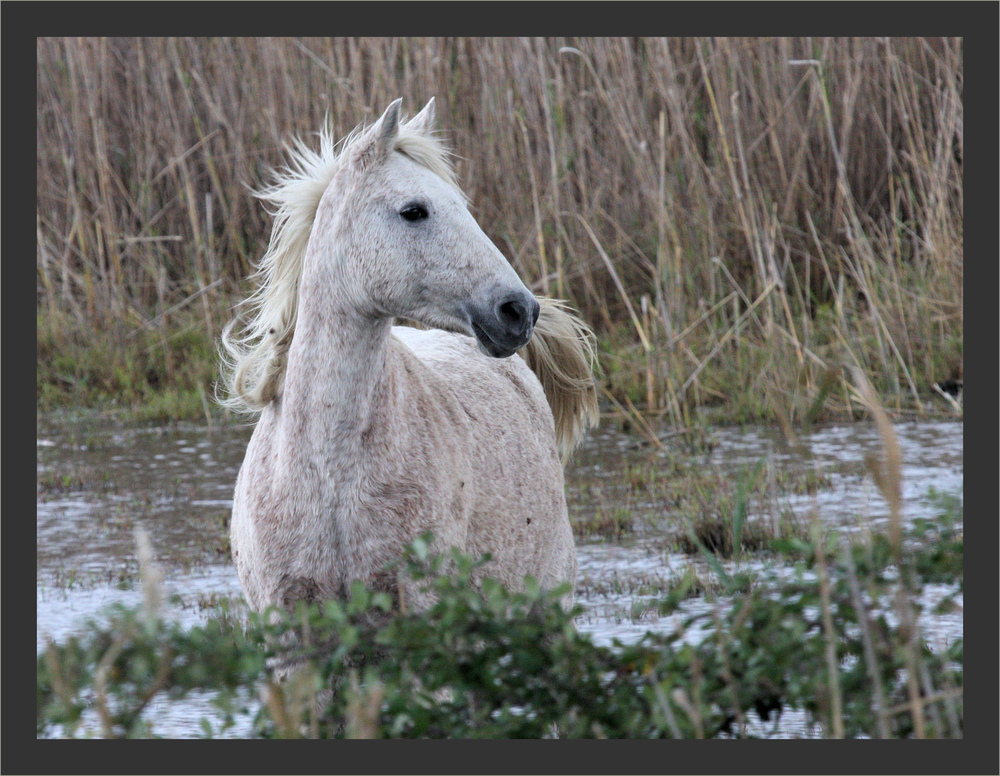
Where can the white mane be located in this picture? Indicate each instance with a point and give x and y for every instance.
(254, 360)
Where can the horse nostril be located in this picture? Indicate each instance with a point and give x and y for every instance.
(513, 314)
(512, 320)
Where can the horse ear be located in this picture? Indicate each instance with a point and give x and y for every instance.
(379, 139)
(389, 124)
(424, 121)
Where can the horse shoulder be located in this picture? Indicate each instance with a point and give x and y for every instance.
(517, 508)
(253, 498)
(502, 388)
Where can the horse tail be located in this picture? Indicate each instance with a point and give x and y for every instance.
(561, 354)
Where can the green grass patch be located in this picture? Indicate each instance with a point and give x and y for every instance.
(155, 375)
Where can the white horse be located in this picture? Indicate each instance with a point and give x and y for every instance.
(370, 434)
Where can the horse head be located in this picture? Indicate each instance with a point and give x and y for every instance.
(397, 230)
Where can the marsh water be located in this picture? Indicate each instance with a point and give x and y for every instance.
(99, 480)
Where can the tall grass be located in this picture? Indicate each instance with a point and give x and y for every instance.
(744, 221)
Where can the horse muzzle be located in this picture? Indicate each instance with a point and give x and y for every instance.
(505, 324)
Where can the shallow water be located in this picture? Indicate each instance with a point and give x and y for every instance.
(99, 481)
(931, 455)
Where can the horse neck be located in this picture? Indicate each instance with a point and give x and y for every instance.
(338, 390)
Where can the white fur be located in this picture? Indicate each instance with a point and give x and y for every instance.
(371, 434)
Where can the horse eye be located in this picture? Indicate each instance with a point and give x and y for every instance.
(414, 212)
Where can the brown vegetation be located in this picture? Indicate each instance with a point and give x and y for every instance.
(743, 221)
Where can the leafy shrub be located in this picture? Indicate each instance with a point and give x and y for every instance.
(484, 662)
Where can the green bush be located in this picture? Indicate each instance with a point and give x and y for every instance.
(484, 662)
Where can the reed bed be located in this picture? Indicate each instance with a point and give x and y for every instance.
(745, 222)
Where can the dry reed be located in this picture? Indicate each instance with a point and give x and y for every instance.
(735, 217)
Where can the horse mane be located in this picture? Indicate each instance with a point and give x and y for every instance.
(561, 354)
(254, 355)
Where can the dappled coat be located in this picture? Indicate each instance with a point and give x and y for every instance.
(370, 434)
